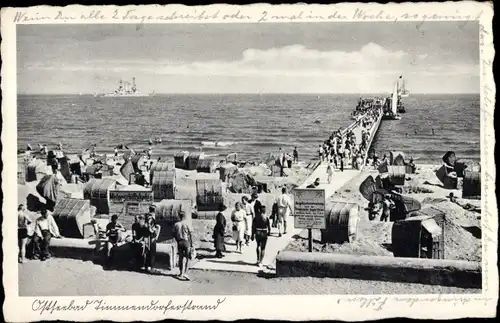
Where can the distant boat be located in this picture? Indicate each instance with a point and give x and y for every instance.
(317, 121)
(403, 91)
(391, 112)
(125, 89)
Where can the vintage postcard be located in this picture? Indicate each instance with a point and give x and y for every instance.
(291, 162)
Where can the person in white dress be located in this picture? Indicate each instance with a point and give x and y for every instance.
(329, 170)
(249, 215)
(238, 217)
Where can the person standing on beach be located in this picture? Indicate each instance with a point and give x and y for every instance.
(341, 157)
(295, 155)
(329, 171)
(284, 210)
(238, 219)
(184, 237)
(320, 153)
(220, 232)
(153, 234)
(388, 206)
(256, 203)
(261, 229)
(22, 232)
(45, 229)
(281, 158)
(114, 231)
(247, 207)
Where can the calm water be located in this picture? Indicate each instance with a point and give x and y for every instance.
(250, 125)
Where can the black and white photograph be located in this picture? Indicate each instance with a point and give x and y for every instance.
(249, 158)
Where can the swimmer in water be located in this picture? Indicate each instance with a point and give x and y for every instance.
(407, 134)
(415, 131)
(433, 131)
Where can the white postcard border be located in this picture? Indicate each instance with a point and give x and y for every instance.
(346, 307)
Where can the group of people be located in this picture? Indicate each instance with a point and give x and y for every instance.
(381, 210)
(145, 234)
(40, 232)
(285, 160)
(342, 148)
(252, 221)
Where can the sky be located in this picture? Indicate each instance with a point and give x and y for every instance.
(362, 57)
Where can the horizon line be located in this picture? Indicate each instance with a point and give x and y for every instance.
(258, 93)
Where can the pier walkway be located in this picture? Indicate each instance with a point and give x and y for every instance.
(246, 261)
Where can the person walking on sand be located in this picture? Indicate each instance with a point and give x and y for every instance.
(219, 232)
(238, 218)
(329, 171)
(320, 153)
(22, 232)
(284, 210)
(184, 237)
(261, 229)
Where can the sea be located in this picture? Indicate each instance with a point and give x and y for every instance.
(250, 125)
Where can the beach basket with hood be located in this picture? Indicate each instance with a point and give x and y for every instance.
(35, 170)
(167, 214)
(48, 188)
(159, 166)
(127, 169)
(209, 194)
(396, 174)
(397, 158)
(472, 185)
(97, 191)
(341, 223)
(193, 159)
(180, 159)
(163, 185)
(367, 188)
(226, 171)
(71, 215)
(207, 165)
(404, 205)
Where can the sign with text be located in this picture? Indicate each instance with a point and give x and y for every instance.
(133, 209)
(309, 208)
(118, 199)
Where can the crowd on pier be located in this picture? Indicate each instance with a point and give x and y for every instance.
(342, 147)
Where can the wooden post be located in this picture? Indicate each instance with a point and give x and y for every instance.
(310, 237)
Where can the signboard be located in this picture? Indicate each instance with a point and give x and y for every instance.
(309, 212)
(131, 210)
(118, 199)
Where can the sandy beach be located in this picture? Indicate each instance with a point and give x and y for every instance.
(462, 227)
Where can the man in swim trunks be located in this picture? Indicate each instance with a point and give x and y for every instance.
(183, 236)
